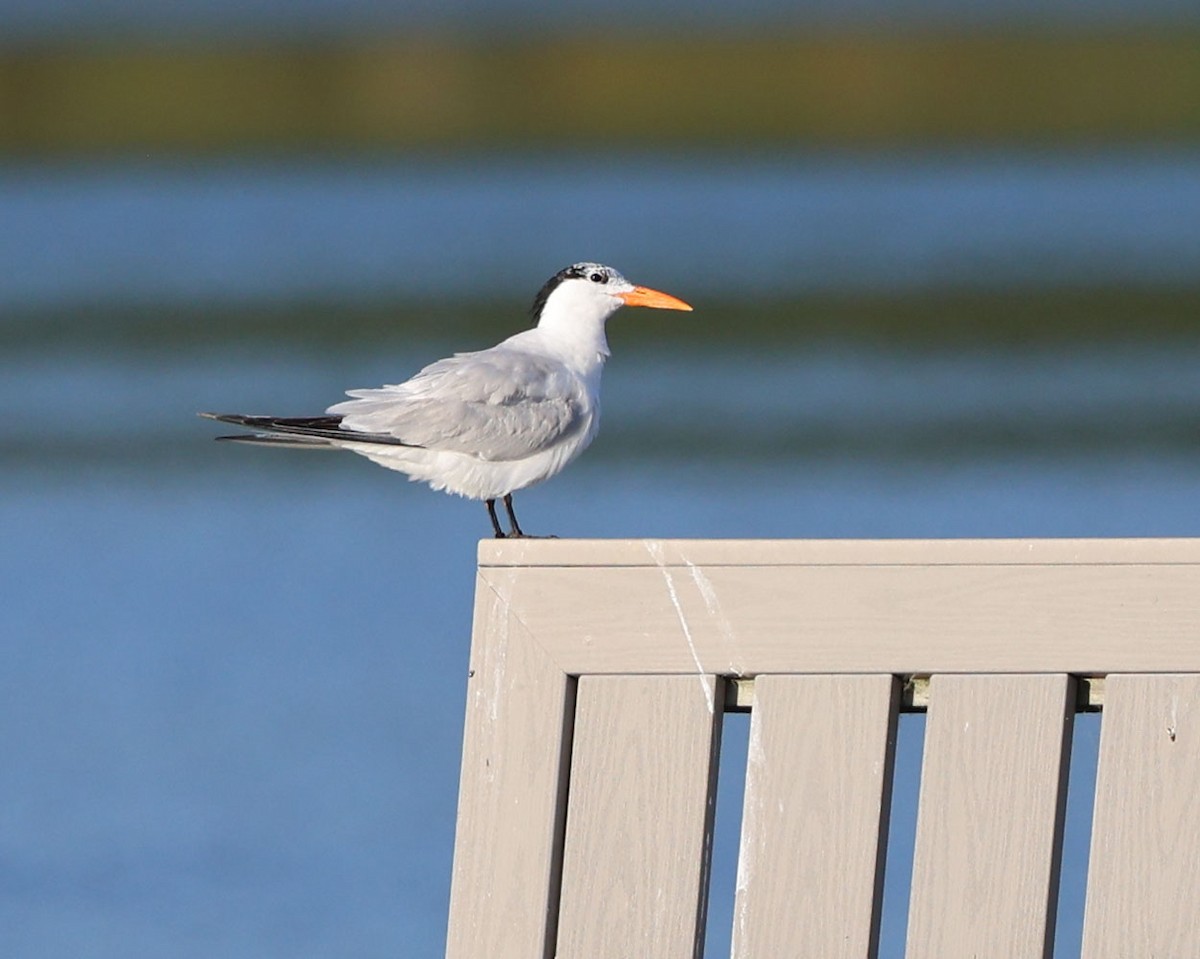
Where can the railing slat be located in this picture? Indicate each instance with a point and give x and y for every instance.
(814, 825)
(639, 817)
(1144, 877)
(508, 844)
(989, 823)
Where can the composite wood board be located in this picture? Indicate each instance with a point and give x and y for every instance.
(511, 791)
(1143, 895)
(989, 820)
(738, 620)
(814, 823)
(639, 817)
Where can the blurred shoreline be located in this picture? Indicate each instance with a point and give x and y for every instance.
(795, 84)
(921, 320)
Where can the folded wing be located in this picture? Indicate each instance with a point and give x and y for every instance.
(499, 404)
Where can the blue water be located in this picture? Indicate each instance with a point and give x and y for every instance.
(233, 687)
(496, 226)
(232, 684)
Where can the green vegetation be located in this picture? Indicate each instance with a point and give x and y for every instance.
(923, 320)
(440, 91)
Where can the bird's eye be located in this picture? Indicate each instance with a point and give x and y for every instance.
(597, 277)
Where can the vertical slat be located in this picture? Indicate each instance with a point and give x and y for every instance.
(1144, 871)
(639, 817)
(508, 844)
(814, 827)
(989, 824)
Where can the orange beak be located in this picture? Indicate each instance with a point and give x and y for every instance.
(642, 296)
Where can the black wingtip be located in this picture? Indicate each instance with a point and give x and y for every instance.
(323, 427)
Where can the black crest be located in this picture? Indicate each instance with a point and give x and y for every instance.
(576, 271)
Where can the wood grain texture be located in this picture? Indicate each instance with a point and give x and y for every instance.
(998, 623)
(508, 844)
(814, 826)
(836, 552)
(1094, 618)
(989, 823)
(639, 818)
(1144, 874)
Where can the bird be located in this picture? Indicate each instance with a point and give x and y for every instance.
(484, 424)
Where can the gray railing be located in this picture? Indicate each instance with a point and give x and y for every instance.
(600, 672)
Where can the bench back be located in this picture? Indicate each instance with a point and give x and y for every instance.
(601, 670)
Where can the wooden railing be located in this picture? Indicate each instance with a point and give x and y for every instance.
(600, 672)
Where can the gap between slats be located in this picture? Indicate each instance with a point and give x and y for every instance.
(902, 819)
(911, 697)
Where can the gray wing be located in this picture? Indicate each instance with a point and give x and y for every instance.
(498, 404)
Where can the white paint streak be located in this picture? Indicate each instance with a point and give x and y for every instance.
(713, 605)
(752, 832)
(499, 658)
(654, 548)
(498, 666)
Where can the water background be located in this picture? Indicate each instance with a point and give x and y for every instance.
(233, 680)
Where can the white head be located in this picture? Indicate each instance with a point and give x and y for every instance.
(584, 295)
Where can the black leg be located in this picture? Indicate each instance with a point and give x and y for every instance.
(512, 518)
(491, 505)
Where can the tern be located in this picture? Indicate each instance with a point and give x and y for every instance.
(486, 424)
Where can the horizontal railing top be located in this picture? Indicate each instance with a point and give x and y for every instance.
(837, 552)
(1088, 607)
